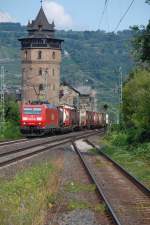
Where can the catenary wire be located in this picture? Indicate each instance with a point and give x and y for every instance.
(103, 12)
(124, 15)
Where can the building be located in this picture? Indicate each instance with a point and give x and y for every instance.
(41, 59)
(82, 97)
(69, 95)
(87, 98)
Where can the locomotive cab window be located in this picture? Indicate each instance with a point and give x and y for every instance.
(32, 111)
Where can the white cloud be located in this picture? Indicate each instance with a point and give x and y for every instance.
(56, 12)
(5, 17)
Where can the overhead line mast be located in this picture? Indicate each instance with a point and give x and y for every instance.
(2, 99)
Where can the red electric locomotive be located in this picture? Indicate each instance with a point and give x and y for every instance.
(39, 119)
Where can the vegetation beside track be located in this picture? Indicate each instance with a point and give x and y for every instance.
(11, 129)
(129, 144)
(24, 199)
(134, 157)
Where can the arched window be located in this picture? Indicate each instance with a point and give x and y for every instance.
(53, 55)
(39, 54)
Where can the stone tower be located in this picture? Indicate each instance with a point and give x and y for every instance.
(41, 59)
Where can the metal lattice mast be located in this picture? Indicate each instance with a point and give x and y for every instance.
(2, 98)
(121, 85)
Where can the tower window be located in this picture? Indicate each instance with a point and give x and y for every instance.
(53, 72)
(40, 72)
(41, 87)
(39, 54)
(40, 27)
(53, 55)
(25, 54)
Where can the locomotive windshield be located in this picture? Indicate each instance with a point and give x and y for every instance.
(32, 111)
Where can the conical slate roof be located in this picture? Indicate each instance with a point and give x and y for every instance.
(40, 24)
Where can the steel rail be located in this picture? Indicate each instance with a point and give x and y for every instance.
(36, 152)
(57, 138)
(98, 187)
(10, 142)
(21, 157)
(132, 178)
(5, 143)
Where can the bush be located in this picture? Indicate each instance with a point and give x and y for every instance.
(11, 130)
(119, 139)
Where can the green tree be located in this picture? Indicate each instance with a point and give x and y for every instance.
(141, 43)
(136, 107)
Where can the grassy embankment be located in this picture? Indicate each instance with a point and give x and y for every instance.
(134, 157)
(25, 198)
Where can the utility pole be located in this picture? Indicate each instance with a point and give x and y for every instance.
(121, 85)
(2, 99)
(120, 94)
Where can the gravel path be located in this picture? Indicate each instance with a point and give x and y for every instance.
(76, 202)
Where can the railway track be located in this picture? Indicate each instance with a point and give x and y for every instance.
(5, 143)
(127, 200)
(14, 155)
(23, 140)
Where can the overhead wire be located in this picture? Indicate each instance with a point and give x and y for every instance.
(124, 15)
(103, 12)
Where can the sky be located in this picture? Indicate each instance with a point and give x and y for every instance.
(77, 14)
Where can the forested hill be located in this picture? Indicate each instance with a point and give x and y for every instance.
(89, 57)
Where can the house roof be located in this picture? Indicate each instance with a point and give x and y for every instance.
(68, 85)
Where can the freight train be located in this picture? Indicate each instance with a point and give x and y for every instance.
(39, 119)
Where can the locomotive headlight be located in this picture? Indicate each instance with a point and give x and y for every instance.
(24, 118)
(39, 119)
(24, 123)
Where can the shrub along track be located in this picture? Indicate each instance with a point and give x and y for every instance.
(127, 200)
(10, 155)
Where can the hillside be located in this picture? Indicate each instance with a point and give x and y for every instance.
(89, 57)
